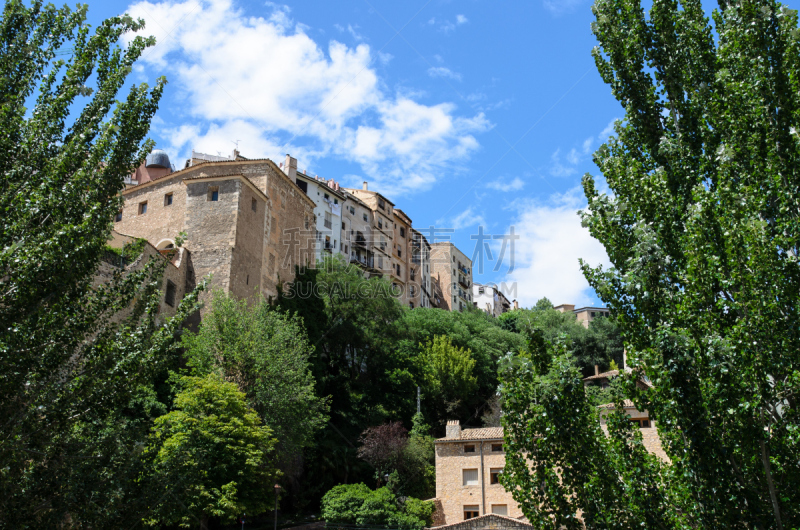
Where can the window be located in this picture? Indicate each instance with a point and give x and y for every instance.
(480, 290)
(118, 217)
(497, 448)
(380, 222)
(500, 509)
(643, 423)
(169, 298)
(142, 208)
(413, 273)
(213, 193)
(470, 477)
(343, 227)
(254, 205)
(592, 313)
(168, 199)
(352, 210)
(366, 218)
(327, 197)
(454, 260)
(335, 201)
(402, 232)
(469, 448)
(494, 475)
(381, 204)
(470, 512)
(411, 305)
(247, 281)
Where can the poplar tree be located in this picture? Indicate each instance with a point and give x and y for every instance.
(77, 388)
(702, 227)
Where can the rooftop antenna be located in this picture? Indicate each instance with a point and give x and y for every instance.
(236, 143)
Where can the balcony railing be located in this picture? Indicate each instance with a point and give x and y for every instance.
(362, 260)
(463, 282)
(328, 223)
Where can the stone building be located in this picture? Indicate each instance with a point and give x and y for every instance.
(246, 222)
(402, 270)
(490, 521)
(420, 269)
(328, 201)
(177, 279)
(490, 299)
(468, 465)
(647, 425)
(584, 315)
(357, 221)
(451, 271)
(382, 228)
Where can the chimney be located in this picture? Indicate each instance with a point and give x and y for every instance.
(290, 167)
(364, 186)
(453, 429)
(596, 370)
(516, 304)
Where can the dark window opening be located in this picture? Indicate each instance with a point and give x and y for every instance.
(168, 199)
(494, 476)
(170, 295)
(497, 448)
(469, 448)
(118, 217)
(303, 185)
(142, 208)
(254, 205)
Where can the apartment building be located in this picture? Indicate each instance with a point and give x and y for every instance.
(357, 221)
(490, 299)
(246, 222)
(584, 315)
(328, 200)
(451, 272)
(420, 269)
(468, 466)
(382, 228)
(402, 270)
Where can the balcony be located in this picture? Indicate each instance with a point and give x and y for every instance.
(463, 270)
(327, 246)
(360, 241)
(364, 261)
(463, 282)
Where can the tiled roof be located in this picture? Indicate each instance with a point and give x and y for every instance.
(604, 375)
(626, 403)
(470, 523)
(483, 433)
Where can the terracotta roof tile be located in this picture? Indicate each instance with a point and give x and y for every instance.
(604, 375)
(626, 403)
(481, 433)
(517, 522)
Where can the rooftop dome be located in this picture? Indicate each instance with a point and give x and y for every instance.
(158, 158)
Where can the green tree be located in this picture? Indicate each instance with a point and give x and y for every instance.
(77, 381)
(446, 373)
(559, 463)
(266, 353)
(212, 456)
(356, 504)
(702, 231)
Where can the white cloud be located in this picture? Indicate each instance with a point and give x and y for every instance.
(608, 131)
(441, 71)
(352, 31)
(546, 255)
(558, 168)
(266, 82)
(587, 145)
(384, 58)
(504, 185)
(561, 7)
(461, 19)
(465, 219)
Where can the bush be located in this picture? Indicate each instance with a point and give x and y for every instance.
(357, 504)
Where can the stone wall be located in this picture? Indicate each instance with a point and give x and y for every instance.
(451, 461)
(491, 522)
(248, 250)
(161, 222)
(650, 438)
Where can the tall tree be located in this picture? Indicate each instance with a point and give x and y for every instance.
(266, 353)
(702, 231)
(212, 456)
(75, 383)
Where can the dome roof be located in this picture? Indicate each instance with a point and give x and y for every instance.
(158, 158)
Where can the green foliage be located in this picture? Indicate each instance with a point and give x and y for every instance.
(446, 373)
(702, 230)
(358, 505)
(600, 344)
(558, 461)
(266, 353)
(213, 457)
(128, 252)
(474, 330)
(79, 384)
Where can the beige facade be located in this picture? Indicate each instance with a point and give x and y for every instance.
(468, 463)
(420, 269)
(382, 228)
(246, 223)
(402, 267)
(357, 220)
(177, 278)
(451, 272)
(584, 315)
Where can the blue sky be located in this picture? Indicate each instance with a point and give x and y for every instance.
(463, 113)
